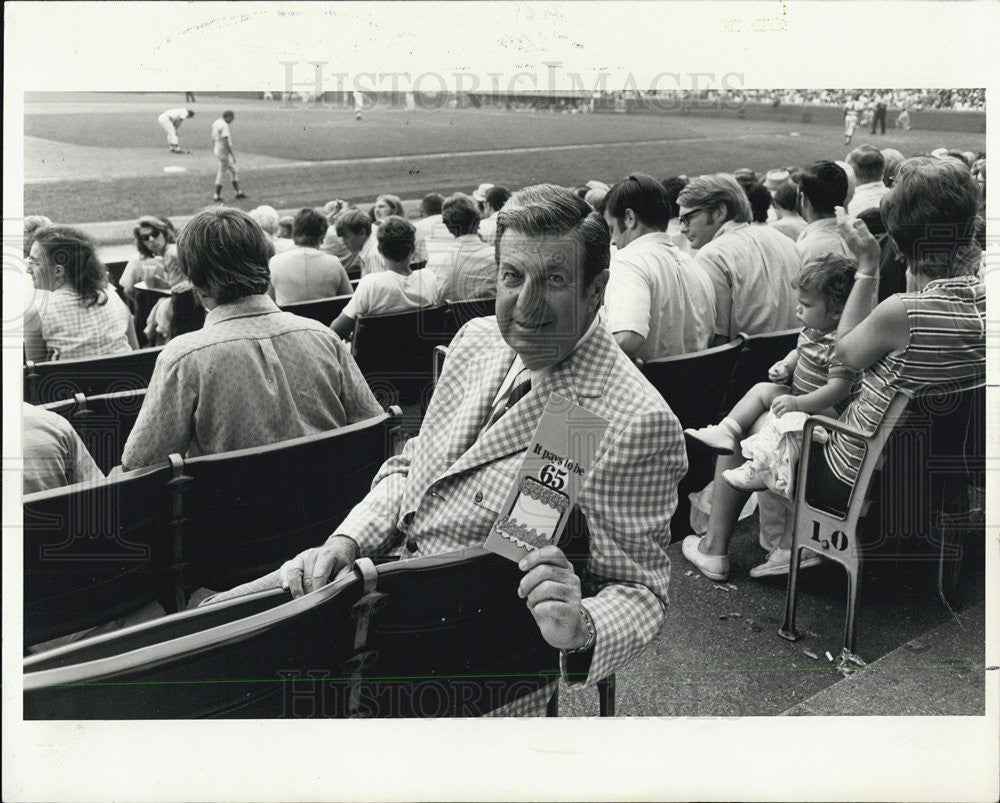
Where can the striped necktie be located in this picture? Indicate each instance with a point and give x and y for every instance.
(514, 395)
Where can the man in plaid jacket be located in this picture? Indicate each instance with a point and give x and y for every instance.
(445, 489)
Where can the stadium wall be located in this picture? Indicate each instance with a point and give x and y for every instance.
(969, 122)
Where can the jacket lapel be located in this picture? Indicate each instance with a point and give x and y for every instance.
(582, 375)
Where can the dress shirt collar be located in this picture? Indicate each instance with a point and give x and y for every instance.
(728, 226)
(651, 237)
(822, 224)
(245, 307)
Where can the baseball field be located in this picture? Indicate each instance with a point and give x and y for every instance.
(92, 157)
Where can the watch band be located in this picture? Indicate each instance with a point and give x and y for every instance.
(591, 634)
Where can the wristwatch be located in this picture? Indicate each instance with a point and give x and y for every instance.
(591, 631)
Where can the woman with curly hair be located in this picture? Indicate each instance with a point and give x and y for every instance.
(72, 314)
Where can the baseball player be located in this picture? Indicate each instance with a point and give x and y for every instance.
(170, 121)
(223, 147)
(851, 110)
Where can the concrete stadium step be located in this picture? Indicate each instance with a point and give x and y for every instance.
(940, 673)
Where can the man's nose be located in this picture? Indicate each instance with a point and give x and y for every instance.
(531, 296)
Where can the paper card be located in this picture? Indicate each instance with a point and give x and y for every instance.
(552, 472)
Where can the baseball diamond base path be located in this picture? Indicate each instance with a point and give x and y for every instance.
(101, 156)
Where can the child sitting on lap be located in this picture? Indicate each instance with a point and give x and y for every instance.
(819, 384)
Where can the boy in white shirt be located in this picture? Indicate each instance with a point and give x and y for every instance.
(396, 289)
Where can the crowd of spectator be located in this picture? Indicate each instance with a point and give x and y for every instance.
(914, 99)
(588, 281)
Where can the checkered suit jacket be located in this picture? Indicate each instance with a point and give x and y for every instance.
(445, 489)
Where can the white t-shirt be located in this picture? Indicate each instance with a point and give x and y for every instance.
(307, 274)
(387, 292)
(662, 294)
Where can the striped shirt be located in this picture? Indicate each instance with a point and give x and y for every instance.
(947, 347)
(817, 364)
(71, 330)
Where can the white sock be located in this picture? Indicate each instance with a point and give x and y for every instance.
(733, 426)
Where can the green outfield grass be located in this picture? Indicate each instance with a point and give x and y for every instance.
(264, 134)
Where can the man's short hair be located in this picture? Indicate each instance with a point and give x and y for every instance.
(785, 197)
(460, 214)
(354, 221)
(309, 227)
(868, 163)
(672, 188)
(431, 204)
(228, 115)
(224, 253)
(397, 238)
(831, 276)
(930, 213)
(720, 190)
(760, 202)
(825, 185)
(497, 197)
(266, 217)
(547, 209)
(644, 195)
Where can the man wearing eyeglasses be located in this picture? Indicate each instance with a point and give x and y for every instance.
(751, 267)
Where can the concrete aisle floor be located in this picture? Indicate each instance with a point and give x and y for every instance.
(719, 653)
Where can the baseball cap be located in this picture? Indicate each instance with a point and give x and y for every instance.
(480, 192)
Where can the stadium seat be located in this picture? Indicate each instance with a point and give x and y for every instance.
(145, 299)
(263, 656)
(437, 654)
(103, 422)
(695, 387)
(95, 552)
(371, 644)
(115, 271)
(942, 434)
(440, 353)
(461, 312)
(324, 310)
(760, 352)
(395, 353)
(56, 380)
(247, 511)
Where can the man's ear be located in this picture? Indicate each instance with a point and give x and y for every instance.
(595, 290)
(629, 219)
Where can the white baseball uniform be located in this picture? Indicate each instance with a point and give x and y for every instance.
(170, 120)
(220, 138)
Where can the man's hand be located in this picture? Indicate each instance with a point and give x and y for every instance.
(861, 242)
(784, 404)
(552, 591)
(778, 372)
(310, 570)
